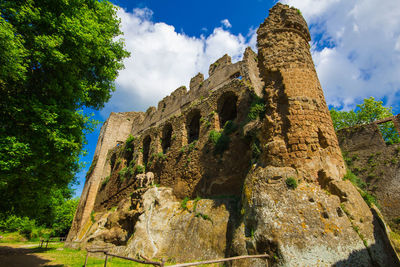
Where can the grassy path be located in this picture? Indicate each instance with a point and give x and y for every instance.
(29, 255)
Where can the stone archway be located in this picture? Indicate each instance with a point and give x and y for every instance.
(227, 108)
(146, 149)
(166, 137)
(193, 125)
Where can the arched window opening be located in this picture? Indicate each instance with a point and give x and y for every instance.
(193, 125)
(166, 138)
(146, 149)
(227, 108)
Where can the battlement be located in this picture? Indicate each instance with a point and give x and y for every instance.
(284, 18)
(221, 72)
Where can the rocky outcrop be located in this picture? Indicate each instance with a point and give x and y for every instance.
(161, 225)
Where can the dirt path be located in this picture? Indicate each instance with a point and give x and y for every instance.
(21, 256)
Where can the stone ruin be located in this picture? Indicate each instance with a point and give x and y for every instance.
(245, 162)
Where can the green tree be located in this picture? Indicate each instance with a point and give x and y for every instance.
(57, 58)
(367, 112)
(64, 216)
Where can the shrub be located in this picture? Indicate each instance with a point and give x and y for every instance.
(204, 216)
(255, 148)
(161, 156)
(105, 182)
(369, 199)
(195, 203)
(354, 179)
(257, 109)
(184, 203)
(361, 185)
(230, 127)
(192, 146)
(139, 169)
(219, 140)
(122, 173)
(291, 183)
(129, 140)
(92, 217)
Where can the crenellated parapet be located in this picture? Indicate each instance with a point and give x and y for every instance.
(221, 72)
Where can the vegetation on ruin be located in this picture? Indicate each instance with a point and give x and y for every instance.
(57, 59)
(362, 186)
(257, 108)
(367, 112)
(105, 182)
(184, 203)
(220, 139)
(291, 182)
(139, 169)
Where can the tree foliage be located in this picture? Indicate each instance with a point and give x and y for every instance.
(57, 57)
(367, 112)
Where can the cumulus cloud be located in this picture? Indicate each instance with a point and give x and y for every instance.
(356, 48)
(226, 23)
(163, 59)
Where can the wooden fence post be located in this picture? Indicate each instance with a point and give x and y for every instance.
(105, 261)
(87, 255)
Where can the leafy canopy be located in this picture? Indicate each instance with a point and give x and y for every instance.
(57, 58)
(367, 112)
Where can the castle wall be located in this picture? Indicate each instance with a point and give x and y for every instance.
(113, 132)
(377, 164)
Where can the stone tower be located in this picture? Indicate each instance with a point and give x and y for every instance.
(299, 128)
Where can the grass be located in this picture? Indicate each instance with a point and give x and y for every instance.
(395, 237)
(58, 255)
(361, 185)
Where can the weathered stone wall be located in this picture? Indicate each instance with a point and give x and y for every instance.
(299, 128)
(377, 164)
(113, 132)
(247, 133)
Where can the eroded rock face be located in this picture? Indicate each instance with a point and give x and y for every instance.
(309, 225)
(196, 231)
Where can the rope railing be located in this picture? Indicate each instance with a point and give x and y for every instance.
(162, 263)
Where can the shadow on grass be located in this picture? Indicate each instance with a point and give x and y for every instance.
(16, 257)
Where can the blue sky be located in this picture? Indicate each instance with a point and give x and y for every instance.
(355, 47)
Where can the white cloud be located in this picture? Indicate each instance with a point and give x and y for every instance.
(163, 59)
(226, 23)
(362, 58)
